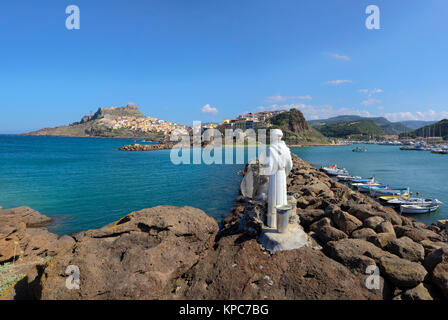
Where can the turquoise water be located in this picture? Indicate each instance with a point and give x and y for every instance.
(422, 171)
(86, 183)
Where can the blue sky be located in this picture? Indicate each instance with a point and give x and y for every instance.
(208, 60)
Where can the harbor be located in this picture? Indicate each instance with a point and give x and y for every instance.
(422, 172)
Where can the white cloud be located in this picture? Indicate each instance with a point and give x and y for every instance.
(280, 98)
(339, 56)
(338, 82)
(371, 92)
(429, 115)
(368, 102)
(316, 112)
(208, 109)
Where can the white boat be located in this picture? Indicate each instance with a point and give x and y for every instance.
(418, 208)
(417, 201)
(347, 178)
(334, 171)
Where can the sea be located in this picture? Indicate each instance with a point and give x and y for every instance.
(86, 183)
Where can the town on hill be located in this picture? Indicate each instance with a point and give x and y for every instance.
(114, 122)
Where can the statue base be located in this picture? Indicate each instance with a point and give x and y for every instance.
(293, 238)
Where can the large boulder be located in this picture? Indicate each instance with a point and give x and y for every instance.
(345, 222)
(137, 257)
(385, 227)
(381, 240)
(440, 277)
(417, 234)
(363, 211)
(436, 257)
(346, 250)
(406, 248)
(241, 270)
(32, 218)
(421, 292)
(363, 233)
(373, 222)
(401, 272)
(431, 246)
(326, 232)
(21, 241)
(309, 216)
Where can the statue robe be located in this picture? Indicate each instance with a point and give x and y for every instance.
(278, 166)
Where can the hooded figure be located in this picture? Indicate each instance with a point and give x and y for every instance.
(277, 166)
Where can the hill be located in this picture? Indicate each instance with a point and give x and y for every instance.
(102, 124)
(295, 128)
(389, 127)
(358, 127)
(416, 124)
(438, 129)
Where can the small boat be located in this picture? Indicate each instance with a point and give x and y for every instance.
(394, 197)
(358, 149)
(379, 192)
(334, 170)
(407, 201)
(347, 178)
(364, 181)
(418, 208)
(439, 151)
(367, 187)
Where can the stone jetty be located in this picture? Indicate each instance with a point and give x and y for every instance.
(180, 253)
(145, 147)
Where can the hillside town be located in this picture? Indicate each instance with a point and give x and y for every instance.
(141, 124)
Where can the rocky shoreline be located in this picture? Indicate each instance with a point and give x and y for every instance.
(146, 147)
(180, 253)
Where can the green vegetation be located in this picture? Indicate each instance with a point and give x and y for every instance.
(345, 129)
(7, 277)
(295, 128)
(438, 129)
(389, 127)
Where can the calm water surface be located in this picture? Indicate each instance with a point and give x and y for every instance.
(422, 171)
(85, 183)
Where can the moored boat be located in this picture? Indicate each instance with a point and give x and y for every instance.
(334, 170)
(417, 201)
(418, 208)
(394, 197)
(365, 188)
(347, 178)
(380, 192)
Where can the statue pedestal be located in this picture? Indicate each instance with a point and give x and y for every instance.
(293, 238)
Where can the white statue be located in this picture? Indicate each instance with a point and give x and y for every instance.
(277, 165)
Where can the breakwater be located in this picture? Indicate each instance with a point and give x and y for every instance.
(350, 232)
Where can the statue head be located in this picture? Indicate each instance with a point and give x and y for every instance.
(276, 136)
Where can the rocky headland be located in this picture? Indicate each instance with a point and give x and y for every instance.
(180, 253)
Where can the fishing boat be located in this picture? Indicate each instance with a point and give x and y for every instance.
(334, 170)
(407, 201)
(347, 178)
(365, 188)
(419, 208)
(394, 197)
(439, 151)
(380, 192)
(364, 181)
